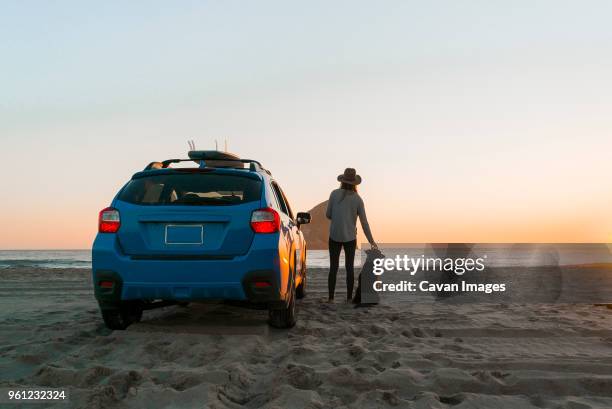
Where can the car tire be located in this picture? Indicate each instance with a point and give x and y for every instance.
(286, 317)
(122, 317)
(300, 291)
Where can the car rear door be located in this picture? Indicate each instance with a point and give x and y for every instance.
(289, 230)
(297, 235)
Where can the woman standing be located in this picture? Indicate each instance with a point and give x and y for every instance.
(343, 207)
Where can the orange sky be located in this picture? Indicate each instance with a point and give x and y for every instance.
(74, 225)
(467, 123)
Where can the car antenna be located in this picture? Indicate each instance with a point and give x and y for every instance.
(216, 145)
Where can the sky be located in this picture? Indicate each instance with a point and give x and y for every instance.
(476, 121)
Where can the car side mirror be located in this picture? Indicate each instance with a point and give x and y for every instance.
(303, 218)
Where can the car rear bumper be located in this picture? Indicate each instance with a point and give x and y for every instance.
(185, 280)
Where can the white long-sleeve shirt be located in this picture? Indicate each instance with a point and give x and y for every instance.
(343, 208)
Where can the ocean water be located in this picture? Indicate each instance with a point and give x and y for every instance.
(507, 255)
(82, 258)
(45, 258)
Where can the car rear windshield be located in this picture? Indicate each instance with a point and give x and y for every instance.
(191, 189)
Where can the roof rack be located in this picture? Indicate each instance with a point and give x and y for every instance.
(215, 159)
(255, 166)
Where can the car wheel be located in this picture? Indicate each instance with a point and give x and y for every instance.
(285, 317)
(300, 291)
(122, 317)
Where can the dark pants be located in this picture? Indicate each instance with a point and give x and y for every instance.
(334, 262)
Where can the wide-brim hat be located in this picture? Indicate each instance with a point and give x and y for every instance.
(350, 176)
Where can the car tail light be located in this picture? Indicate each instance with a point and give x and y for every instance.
(265, 220)
(106, 284)
(109, 220)
(262, 284)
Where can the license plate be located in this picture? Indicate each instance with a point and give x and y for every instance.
(184, 234)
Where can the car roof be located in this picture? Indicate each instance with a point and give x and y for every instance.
(245, 172)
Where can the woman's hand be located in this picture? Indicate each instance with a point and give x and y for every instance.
(374, 246)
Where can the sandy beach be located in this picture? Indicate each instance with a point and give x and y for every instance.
(217, 355)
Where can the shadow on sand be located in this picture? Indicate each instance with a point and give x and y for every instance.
(217, 318)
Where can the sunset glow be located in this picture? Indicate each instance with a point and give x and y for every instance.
(490, 129)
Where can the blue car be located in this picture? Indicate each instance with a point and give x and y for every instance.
(221, 229)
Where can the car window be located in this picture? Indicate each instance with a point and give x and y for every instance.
(279, 199)
(289, 211)
(191, 189)
(276, 204)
